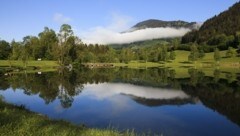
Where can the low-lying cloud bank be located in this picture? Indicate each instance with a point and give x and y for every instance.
(103, 35)
(111, 33)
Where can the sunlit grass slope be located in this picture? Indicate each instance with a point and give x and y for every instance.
(16, 63)
(182, 61)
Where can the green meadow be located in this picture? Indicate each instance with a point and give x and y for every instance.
(182, 61)
(31, 63)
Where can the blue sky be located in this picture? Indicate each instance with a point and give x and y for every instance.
(28, 17)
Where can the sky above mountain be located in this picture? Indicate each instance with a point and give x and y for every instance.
(87, 17)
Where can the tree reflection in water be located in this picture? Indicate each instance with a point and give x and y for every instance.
(220, 92)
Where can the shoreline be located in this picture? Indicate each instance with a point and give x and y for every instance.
(21, 121)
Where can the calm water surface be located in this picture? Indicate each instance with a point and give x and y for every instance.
(161, 101)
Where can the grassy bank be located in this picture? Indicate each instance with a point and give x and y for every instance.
(32, 63)
(32, 66)
(17, 121)
(182, 61)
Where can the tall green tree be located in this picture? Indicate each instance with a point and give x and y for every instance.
(172, 55)
(164, 53)
(47, 44)
(153, 55)
(194, 54)
(217, 55)
(26, 50)
(89, 57)
(230, 52)
(5, 49)
(31, 44)
(143, 54)
(201, 53)
(237, 42)
(125, 55)
(238, 51)
(16, 50)
(64, 34)
(34, 44)
(175, 43)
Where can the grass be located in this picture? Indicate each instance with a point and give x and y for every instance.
(182, 61)
(16, 120)
(135, 64)
(181, 64)
(32, 66)
(32, 63)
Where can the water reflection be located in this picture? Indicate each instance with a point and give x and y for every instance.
(108, 90)
(99, 97)
(148, 96)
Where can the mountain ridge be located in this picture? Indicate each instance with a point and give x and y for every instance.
(155, 23)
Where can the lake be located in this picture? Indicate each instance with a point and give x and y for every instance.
(172, 102)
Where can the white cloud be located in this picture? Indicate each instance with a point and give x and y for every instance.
(111, 33)
(61, 19)
(105, 36)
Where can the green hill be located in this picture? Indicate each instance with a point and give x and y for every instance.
(219, 29)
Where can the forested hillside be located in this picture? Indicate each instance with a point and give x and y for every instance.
(221, 29)
(141, 44)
